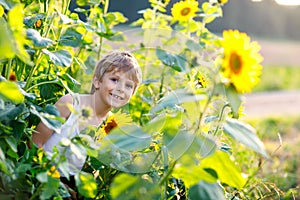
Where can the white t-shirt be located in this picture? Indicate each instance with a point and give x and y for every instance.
(68, 130)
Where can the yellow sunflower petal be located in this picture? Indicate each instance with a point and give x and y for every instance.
(184, 10)
(241, 62)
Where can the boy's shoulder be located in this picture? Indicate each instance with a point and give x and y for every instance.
(68, 98)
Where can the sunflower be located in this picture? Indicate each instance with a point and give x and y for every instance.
(12, 76)
(113, 121)
(241, 61)
(222, 2)
(184, 10)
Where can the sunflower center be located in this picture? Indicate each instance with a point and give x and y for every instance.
(235, 63)
(109, 126)
(185, 11)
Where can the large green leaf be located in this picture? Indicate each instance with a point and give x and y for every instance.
(128, 187)
(245, 134)
(37, 39)
(60, 57)
(128, 138)
(73, 84)
(226, 170)
(175, 98)
(50, 117)
(190, 173)
(207, 191)
(50, 188)
(8, 4)
(182, 139)
(11, 91)
(11, 112)
(203, 145)
(176, 62)
(6, 41)
(15, 21)
(71, 38)
(124, 148)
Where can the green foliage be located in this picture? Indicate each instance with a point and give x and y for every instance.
(176, 146)
(283, 80)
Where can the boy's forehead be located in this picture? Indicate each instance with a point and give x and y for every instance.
(120, 73)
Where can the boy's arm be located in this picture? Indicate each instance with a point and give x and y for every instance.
(42, 132)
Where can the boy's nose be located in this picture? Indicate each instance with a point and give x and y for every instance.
(120, 87)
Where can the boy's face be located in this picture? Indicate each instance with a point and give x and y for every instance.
(115, 89)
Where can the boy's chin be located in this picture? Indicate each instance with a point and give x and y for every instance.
(117, 105)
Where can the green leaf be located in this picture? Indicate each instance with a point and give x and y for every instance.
(51, 121)
(11, 143)
(8, 4)
(18, 128)
(203, 145)
(50, 188)
(30, 21)
(245, 134)
(10, 91)
(2, 155)
(234, 100)
(73, 84)
(117, 36)
(86, 184)
(175, 98)
(71, 38)
(190, 173)
(225, 168)
(127, 187)
(42, 177)
(128, 138)
(6, 41)
(182, 139)
(15, 21)
(176, 62)
(207, 191)
(11, 112)
(65, 19)
(193, 46)
(60, 57)
(37, 39)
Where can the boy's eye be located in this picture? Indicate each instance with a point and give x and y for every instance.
(129, 86)
(114, 80)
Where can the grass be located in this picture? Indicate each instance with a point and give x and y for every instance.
(279, 78)
(282, 141)
(281, 135)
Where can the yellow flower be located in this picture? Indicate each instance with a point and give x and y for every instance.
(109, 125)
(241, 62)
(201, 82)
(222, 2)
(184, 10)
(12, 76)
(1, 11)
(53, 172)
(113, 121)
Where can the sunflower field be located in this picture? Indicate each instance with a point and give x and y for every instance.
(182, 136)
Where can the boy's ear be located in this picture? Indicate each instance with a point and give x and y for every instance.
(96, 82)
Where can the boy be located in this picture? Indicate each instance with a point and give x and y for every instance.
(115, 80)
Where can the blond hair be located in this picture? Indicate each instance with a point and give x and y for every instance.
(119, 61)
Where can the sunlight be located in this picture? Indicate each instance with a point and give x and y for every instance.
(288, 2)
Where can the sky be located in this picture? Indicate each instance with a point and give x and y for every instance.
(285, 2)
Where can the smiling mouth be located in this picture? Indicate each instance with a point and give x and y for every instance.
(116, 97)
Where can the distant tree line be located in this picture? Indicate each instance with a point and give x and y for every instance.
(262, 19)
